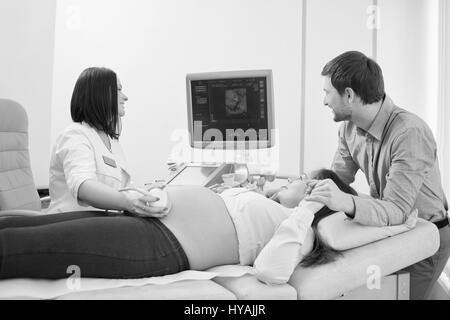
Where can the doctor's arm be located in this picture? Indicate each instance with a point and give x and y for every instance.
(99, 195)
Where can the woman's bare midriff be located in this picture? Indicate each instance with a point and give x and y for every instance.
(200, 221)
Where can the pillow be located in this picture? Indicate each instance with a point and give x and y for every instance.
(342, 233)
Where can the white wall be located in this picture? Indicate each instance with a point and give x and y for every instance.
(408, 55)
(152, 45)
(26, 62)
(333, 27)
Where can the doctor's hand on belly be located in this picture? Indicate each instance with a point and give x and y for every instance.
(143, 203)
(140, 202)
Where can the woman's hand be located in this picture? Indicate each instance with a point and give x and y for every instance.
(141, 203)
(328, 193)
(142, 207)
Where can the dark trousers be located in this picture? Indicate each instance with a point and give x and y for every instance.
(97, 244)
(424, 274)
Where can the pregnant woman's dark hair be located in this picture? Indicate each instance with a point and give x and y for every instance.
(322, 253)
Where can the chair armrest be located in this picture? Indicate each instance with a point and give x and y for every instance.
(19, 213)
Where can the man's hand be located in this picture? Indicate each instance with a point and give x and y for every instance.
(328, 193)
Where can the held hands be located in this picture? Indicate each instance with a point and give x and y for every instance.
(151, 203)
(328, 193)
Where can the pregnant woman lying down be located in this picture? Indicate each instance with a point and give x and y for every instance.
(203, 229)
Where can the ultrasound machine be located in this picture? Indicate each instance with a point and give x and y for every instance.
(231, 111)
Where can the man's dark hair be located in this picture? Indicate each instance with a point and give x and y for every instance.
(355, 70)
(94, 100)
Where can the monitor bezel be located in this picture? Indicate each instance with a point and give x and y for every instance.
(233, 145)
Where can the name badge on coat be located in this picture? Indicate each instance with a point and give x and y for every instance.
(110, 162)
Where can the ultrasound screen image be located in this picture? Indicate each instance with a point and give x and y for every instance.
(236, 104)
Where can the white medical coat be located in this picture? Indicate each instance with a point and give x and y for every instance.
(79, 154)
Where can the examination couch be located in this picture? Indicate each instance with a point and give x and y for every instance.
(371, 271)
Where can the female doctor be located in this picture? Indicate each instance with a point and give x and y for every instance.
(88, 166)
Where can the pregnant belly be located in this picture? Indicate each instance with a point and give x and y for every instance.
(200, 221)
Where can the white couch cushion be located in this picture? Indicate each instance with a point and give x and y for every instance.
(52, 289)
(353, 270)
(183, 290)
(342, 233)
(248, 287)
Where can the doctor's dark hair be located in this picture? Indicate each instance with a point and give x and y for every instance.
(321, 252)
(94, 100)
(355, 70)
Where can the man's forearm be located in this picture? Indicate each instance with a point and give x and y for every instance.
(376, 212)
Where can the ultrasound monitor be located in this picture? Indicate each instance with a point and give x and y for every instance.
(229, 109)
